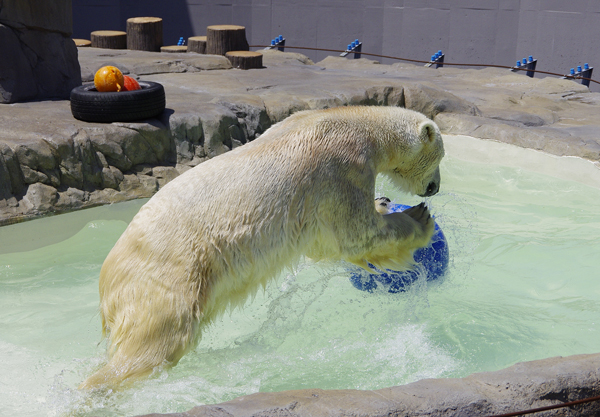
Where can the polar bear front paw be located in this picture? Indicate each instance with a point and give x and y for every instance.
(419, 213)
(414, 226)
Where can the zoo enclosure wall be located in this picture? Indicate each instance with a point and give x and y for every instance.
(559, 34)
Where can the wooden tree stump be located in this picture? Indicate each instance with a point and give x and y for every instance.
(174, 49)
(245, 59)
(82, 42)
(109, 39)
(221, 39)
(197, 44)
(144, 33)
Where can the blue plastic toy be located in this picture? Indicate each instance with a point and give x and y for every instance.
(433, 259)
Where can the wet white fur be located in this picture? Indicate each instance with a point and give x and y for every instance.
(214, 235)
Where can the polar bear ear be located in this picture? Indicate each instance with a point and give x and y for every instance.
(427, 131)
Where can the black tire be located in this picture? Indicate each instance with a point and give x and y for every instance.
(89, 105)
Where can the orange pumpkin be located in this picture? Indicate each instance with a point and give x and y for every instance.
(108, 78)
(130, 83)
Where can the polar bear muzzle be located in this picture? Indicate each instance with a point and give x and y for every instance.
(434, 186)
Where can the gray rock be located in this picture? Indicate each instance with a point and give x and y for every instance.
(216, 128)
(71, 199)
(41, 198)
(32, 176)
(36, 154)
(251, 115)
(14, 71)
(280, 104)
(107, 196)
(274, 57)
(108, 141)
(111, 177)
(187, 135)
(431, 101)
(148, 143)
(11, 175)
(164, 174)
(138, 186)
(43, 57)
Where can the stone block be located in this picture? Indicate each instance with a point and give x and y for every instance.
(48, 15)
(41, 197)
(43, 57)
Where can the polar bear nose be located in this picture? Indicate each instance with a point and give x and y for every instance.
(432, 189)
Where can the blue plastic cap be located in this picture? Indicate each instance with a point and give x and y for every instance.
(518, 63)
(433, 57)
(586, 66)
(578, 68)
(280, 38)
(356, 41)
(530, 58)
(440, 52)
(572, 71)
(349, 46)
(524, 61)
(273, 42)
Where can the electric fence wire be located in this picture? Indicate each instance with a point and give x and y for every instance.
(571, 77)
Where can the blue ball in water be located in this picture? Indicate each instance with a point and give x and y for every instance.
(432, 259)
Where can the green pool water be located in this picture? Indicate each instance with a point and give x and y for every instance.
(523, 230)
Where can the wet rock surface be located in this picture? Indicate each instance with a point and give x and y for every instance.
(524, 386)
(51, 162)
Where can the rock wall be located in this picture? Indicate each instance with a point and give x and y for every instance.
(39, 58)
(52, 163)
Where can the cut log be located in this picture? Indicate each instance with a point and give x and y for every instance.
(82, 42)
(109, 39)
(221, 39)
(144, 33)
(245, 59)
(174, 48)
(197, 44)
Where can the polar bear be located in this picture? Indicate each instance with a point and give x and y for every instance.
(214, 235)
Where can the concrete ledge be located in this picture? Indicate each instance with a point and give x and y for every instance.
(524, 386)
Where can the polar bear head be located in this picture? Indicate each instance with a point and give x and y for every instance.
(413, 149)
